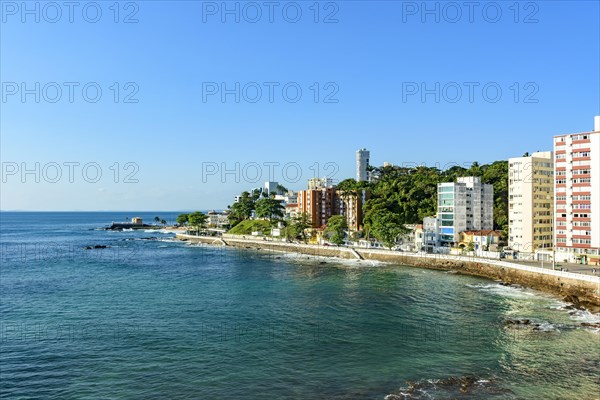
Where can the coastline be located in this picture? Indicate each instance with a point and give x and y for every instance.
(581, 290)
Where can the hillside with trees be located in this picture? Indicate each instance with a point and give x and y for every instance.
(406, 195)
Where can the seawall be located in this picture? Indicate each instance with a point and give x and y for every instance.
(582, 290)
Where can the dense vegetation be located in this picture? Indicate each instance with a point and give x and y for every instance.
(410, 194)
(263, 205)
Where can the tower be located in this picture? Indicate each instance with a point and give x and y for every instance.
(362, 162)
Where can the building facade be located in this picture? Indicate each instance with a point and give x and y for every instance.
(577, 196)
(351, 206)
(270, 187)
(322, 200)
(486, 240)
(318, 183)
(319, 204)
(431, 233)
(362, 162)
(531, 202)
(466, 204)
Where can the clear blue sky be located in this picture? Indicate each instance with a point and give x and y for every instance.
(372, 55)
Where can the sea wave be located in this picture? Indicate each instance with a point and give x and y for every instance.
(504, 290)
(464, 387)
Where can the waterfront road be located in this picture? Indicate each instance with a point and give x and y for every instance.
(577, 268)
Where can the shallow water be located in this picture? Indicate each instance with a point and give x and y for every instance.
(164, 319)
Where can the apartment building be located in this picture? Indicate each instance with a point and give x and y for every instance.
(322, 200)
(466, 204)
(351, 206)
(431, 233)
(577, 196)
(530, 202)
(319, 204)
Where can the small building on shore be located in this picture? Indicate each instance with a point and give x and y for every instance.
(136, 221)
(481, 239)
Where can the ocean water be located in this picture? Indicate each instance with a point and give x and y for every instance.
(149, 317)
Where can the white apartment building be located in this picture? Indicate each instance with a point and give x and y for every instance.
(466, 204)
(320, 183)
(530, 202)
(270, 187)
(431, 233)
(577, 196)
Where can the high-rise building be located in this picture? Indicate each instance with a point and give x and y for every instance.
(271, 187)
(530, 202)
(362, 162)
(351, 207)
(466, 204)
(322, 200)
(319, 204)
(577, 196)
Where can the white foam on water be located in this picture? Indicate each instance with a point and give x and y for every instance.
(585, 316)
(547, 327)
(503, 290)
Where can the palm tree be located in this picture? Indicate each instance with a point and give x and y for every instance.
(157, 220)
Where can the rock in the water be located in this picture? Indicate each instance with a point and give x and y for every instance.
(590, 325)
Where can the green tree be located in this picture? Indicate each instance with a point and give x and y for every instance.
(281, 189)
(268, 207)
(197, 219)
(182, 219)
(297, 227)
(157, 220)
(163, 222)
(335, 229)
(242, 210)
(386, 227)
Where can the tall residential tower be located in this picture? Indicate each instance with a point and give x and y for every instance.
(530, 202)
(362, 162)
(466, 204)
(577, 196)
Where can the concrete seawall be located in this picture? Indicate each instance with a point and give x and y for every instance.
(583, 290)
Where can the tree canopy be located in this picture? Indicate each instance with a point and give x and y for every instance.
(268, 207)
(411, 193)
(182, 219)
(335, 230)
(197, 219)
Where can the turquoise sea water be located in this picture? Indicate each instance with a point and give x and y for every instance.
(154, 318)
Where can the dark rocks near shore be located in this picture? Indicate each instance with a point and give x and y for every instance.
(98, 246)
(590, 325)
(580, 304)
(519, 322)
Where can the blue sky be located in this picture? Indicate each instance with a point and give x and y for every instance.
(370, 67)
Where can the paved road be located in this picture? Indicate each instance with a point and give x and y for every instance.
(578, 268)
